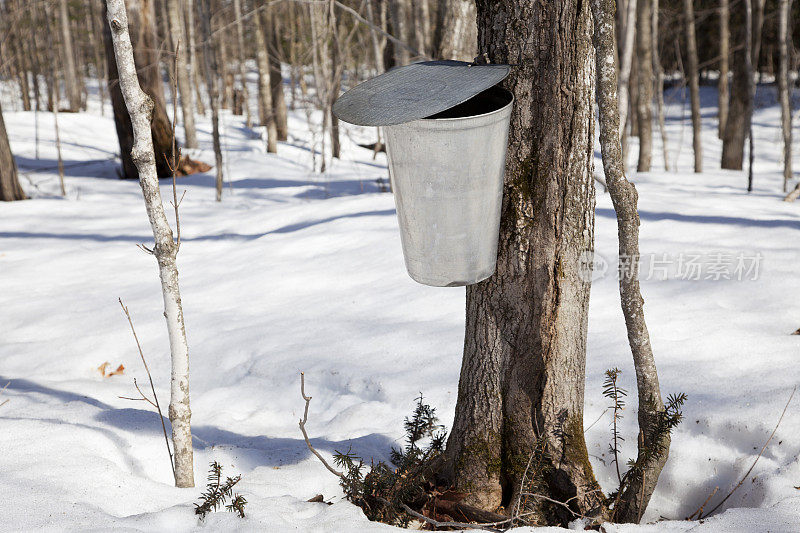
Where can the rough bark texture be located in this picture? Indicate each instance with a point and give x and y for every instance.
(140, 107)
(635, 498)
(70, 72)
(644, 79)
(265, 107)
(783, 89)
(10, 188)
(694, 84)
(457, 30)
(179, 42)
(740, 108)
(142, 31)
(212, 81)
(522, 376)
(723, 90)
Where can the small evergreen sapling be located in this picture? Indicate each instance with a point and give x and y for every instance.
(218, 492)
(382, 491)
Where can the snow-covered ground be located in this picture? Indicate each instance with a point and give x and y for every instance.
(295, 271)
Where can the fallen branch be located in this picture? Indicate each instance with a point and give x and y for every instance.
(747, 474)
(303, 428)
(699, 511)
(153, 402)
(2, 391)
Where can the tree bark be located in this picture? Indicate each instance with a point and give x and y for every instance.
(658, 89)
(212, 81)
(740, 109)
(237, 15)
(644, 79)
(628, 31)
(635, 498)
(783, 89)
(457, 30)
(191, 33)
(694, 84)
(265, 107)
(142, 31)
(724, 69)
(10, 189)
(522, 376)
(70, 72)
(184, 85)
(140, 106)
(398, 12)
(276, 78)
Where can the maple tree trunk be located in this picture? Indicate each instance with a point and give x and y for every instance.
(176, 26)
(783, 89)
(740, 108)
(723, 84)
(457, 30)
(522, 375)
(644, 80)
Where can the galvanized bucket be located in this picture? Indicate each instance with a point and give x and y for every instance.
(446, 128)
(447, 177)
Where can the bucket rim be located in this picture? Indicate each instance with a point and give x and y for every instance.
(470, 117)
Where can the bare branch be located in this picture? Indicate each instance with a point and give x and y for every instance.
(303, 428)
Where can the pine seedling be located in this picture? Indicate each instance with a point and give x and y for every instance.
(218, 492)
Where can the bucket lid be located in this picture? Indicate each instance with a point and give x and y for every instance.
(416, 91)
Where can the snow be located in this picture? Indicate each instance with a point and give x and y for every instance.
(295, 271)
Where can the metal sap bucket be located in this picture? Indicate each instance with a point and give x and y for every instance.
(447, 177)
(446, 127)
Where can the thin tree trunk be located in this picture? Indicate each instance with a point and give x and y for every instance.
(265, 107)
(70, 72)
(628, 32)
(658, 76)
(377, 49)
(212, 80)
(335, 81)
(644, 78)
(399, 18)
(191, 34)
(95, 37)
(237, 15)
(142, 30)
(60, 160)
(740, 110)
(10, 189)
(724, 54)
(140, 108)
(457, 30)
(635, 498)
(180, 46)
(523, 373)
(276, 77)
(694, 84)
(783, 89)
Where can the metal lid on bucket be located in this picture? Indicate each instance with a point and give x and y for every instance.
(416, 91)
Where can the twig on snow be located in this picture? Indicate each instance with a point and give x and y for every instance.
(152, 387)
(303, 428)
(745, 476)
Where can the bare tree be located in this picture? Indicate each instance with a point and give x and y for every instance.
(276, 77)
(724, 54)
(658, 77)
(179, 45)
(740, 109)
(634, 499)
(212, 80)
(70, 72)
(783, 89)
(628, 32)
(192, 48)
(644, 78)
(140, 107)
(141, 17)
(10, 188)
(265, 107)
(457, 30)
(522, 376)
(237, 15)
(398, 13)
(694, 84)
